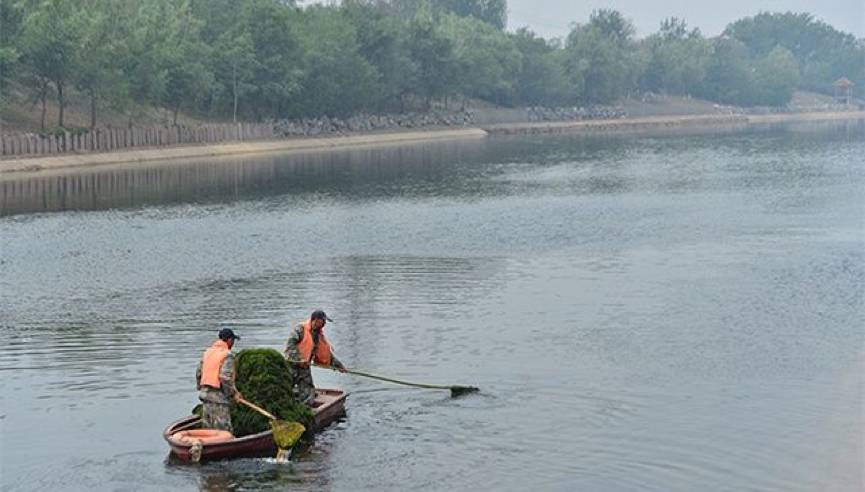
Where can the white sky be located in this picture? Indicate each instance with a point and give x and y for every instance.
(552, 18)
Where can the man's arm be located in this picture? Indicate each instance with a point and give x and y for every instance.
(291, 353)
(226, 377)
(198, 375)
(335, 363)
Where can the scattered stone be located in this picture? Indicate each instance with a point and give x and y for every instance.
(363, 122)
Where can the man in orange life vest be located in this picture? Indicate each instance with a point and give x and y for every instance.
(215, 382)
(306, 344)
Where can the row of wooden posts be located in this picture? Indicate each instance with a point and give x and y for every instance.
(108, 139)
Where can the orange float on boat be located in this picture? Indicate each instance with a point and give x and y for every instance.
(203, 436)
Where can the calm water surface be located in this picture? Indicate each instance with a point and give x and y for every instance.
(668, 313)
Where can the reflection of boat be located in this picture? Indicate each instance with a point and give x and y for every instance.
(329, 405)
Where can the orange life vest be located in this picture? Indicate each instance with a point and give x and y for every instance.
(211, 363)
(306, 345)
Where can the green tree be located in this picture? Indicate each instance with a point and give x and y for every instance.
(729, 76)
(493, 12)
(541, 78)
(273, 27)
(10, 26)
(337, 80)
(235, 66)
(383, 41)
(97, 72)
(437, 65)
(823, 53)
(50, 38)
(677, 59)
(600, 58)
(488, 59)
(776, 77)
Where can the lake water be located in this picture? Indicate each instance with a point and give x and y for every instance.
(662, 313)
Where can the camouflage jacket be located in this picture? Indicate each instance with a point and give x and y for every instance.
(292, 354)
(225, 393)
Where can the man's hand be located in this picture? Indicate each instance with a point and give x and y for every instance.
(341, 368)
(238, 396)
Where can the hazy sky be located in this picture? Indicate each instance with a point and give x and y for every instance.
(551, 18)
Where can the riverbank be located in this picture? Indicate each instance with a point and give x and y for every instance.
(618, 125)
(231, 149)
(665, 122)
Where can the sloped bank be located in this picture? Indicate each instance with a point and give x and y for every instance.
(244, 148)
(674, 123)
(652, 123)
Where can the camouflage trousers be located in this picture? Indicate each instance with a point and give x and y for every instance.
(302, 386)
(216, 416)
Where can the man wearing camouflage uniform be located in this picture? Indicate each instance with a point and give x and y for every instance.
(215, 382)
(307, 344)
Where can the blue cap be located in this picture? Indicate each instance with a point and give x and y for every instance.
(319, 314)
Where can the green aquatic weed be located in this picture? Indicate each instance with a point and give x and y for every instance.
(263, 377)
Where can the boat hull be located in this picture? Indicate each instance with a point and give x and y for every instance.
(329, 406)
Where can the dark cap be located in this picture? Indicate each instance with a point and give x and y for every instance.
(319, 314)
(227, 333)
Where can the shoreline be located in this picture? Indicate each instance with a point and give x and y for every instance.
(42, 163)
(640, 124)
(621, 125)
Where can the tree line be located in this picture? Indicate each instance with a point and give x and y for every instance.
(261, 59)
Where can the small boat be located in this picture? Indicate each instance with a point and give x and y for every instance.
(328, 406)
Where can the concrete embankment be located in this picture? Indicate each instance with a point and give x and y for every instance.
(664, 122)
(308, 144)
(244, 148)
